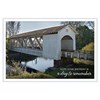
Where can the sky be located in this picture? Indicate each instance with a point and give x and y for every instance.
(26, 26)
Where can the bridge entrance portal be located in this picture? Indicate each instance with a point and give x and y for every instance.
(67, 43)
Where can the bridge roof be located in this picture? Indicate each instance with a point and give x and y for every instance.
(41, 32)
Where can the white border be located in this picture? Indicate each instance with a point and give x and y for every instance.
(51, 80)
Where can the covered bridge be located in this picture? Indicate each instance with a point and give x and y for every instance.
(47, 43)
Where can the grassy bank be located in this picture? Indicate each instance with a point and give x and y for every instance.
(80, 68)
(16, 72)
(73, 71)
(77, 70)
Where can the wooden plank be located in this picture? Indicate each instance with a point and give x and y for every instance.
(38, 42)
(10, 43)
(25, 42)
(31, 42)
(78, 55)
(21, 45)
(71, 54)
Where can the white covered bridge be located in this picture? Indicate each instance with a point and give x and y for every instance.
(53, 42)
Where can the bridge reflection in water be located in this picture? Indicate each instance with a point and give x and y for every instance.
(30, 62)
(39, 64)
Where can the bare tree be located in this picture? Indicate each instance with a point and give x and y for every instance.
(12, 28)
(90, 24)
(76, 24)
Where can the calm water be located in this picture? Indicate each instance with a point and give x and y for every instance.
(40, 64)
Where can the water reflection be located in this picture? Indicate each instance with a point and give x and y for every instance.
(40, 64)
(33, 62)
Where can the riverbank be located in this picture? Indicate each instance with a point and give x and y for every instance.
(20, 68)
(72, 71)
(17, 72)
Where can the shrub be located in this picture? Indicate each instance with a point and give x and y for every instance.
(16, 72)
(82, 61)
(89, 47)
(26, 75)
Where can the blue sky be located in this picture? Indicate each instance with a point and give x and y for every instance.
(35, 25)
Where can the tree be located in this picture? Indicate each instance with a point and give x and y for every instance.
(84, 37)
(12, 28)
(74, 24)
(90, 24)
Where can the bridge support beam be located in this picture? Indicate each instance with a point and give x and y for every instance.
(31, 42)
(38, 41)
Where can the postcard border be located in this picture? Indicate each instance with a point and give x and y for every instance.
(50, 80)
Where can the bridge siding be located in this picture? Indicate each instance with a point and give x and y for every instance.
(34, 52)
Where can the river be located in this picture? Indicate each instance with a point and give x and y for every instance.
(40, 64)
(32, 62)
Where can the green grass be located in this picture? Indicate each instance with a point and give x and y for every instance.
(26, 75)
